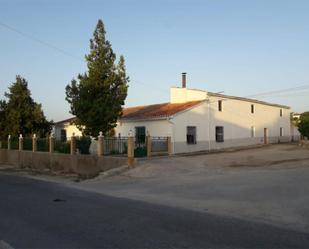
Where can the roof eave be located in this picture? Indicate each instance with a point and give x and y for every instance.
(143, 119)
(248, 100)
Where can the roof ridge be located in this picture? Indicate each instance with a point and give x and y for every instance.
(248, 100)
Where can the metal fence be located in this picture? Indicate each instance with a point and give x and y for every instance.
(159, 144)
(27, 143)
(115, 145)
(62, 147)
(43, 144)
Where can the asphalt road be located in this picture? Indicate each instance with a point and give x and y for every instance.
(37, 214)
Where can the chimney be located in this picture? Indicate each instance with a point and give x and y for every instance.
(184, 80)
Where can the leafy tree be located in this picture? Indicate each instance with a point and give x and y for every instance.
(303, 125)
(2, 118)
(96, 97)
(20, 114)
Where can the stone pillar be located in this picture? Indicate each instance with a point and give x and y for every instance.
(9, 142)
(100, 147)
(73, 144)
(130, 150)
(169, 145)
(21, 143)
(51, 143)
(34, 143)
(149, 143)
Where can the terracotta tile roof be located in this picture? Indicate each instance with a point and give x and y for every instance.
(156, 111)
(149, 111)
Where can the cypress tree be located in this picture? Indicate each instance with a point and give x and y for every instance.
(97, 96)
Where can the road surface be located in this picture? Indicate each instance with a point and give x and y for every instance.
(37, 214)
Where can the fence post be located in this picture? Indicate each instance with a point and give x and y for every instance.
(34, 143)
(130, 150)
(100, 148)
(9, 142)
(149, 142)
(21, 143)
(51, 143)
(73, 144)
(169, 145)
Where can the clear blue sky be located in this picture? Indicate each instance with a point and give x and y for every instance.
(239, 47)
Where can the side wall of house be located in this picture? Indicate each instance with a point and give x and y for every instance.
(237, 122)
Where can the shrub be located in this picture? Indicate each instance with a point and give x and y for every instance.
(303, 125)
(83, 144)
(62, 147)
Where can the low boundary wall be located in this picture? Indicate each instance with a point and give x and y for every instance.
(83, 165)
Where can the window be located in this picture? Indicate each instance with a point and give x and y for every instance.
(281, 131)
(219, 134)
(63, 135)
(280, 112)
(191, 135)
(252, 131)
(252, 108)
(220, 105)
(140, 134)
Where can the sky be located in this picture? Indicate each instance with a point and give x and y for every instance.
(241, 48)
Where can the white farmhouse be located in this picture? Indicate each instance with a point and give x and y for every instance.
(198, 120)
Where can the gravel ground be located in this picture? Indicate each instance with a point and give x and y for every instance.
(268, 184)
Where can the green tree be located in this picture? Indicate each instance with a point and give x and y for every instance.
(303, 125)
(96, 97)
(2, 118)
(21, 115)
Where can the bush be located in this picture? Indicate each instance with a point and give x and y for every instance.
(4, 144)
(62, 147)
(83, 144)
(303, 125)
(14, 143)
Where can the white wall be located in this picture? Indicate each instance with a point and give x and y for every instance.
(196, 116)
(237, 120)
(182, 95)
(70, 129)
(155, 127)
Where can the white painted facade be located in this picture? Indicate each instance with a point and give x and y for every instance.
(241, 127)
(155, 127)
(66, 127)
